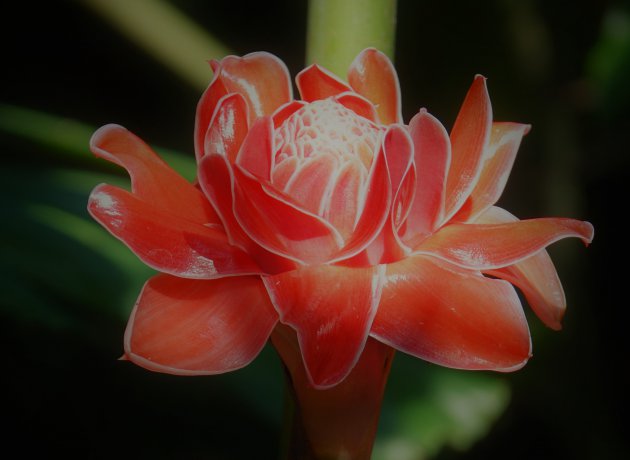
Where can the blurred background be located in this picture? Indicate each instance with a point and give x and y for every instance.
(67, 286)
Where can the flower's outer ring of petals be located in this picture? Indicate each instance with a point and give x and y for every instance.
(285, 111)
(151, 178)
(432, 151)
(536, 276)
(374, 210)
(193, 327)
(205, 110)
(216, 179)
(331, 309)
(490, 246)
(256, 153)
(499, 157)
(275, 222)
(359, 105)
(228, 127)
(165, 241)
(373, 76)
(261, 78)
(452, 317)
(469, 138)
(315, 83)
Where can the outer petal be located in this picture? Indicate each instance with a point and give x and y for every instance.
(497, 164)
(536, 276)
(432, 152)
(373, 76)
(331, 308)
(206, 108)
(469, 138)
(190, 327)
(165, 241)
(489, 246)
(261, 78)
(316, 83)
(151, 178)
(257, 150)
(228, 127)
(452, 317)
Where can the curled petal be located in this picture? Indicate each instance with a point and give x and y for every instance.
(261, 78)
(536, 276)
(373, 76)
(490, 246)
(432, 157)
(359, 105)
(452, 317)
(257, 150)
(331, 308)
(499, 157)
(165, 241)
(192, 327)
(469, 138)
(206, 108)
(228, 127)
(151, 178)
(316, 83)
(285, 111)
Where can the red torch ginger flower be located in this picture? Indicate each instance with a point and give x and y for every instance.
(330, 215)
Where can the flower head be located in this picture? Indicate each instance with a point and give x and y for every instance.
(330, 215)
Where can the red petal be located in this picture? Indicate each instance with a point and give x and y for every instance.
(452, 317)
(489, 246)
(359, 105)
(257, 150)
(469, 138)
(331, 308)
(310, 184)
(316, 83)
(205, 110)
(272, 220)
(498, 160)
(342, 207)
(217, 181)
(536, 276)
(228, 127)
(285, 111)
(261, 78)
(373, 76)
(191, 327)
(432, 150)
(165, 241)
(151, 178)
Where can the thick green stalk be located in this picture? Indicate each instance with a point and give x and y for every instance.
(339, 29)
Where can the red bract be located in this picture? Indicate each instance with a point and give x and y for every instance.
(331, 216)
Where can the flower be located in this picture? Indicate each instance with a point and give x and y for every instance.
(330, 215)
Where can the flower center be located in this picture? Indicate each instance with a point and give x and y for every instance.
(323, 153)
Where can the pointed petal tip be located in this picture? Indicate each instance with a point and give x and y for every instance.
(100, 134)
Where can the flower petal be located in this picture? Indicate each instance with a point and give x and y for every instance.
(165, 241)
(432, 151)
(452, 317)
(310, 184)
(192, 327)
(359, 105)
(228, 127)
(469, 138)
(261, 78)
(373, 76)
(490, 246)
(331, 308)
(151, 178)
(217, 181)
(257, 150)
(316, 83)
(499, 157)
(206, 108)
(285, 111)
(275, 222)
(536, 276)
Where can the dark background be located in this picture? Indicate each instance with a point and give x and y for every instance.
(562, 66)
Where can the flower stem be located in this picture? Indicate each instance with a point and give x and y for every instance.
(339, 29)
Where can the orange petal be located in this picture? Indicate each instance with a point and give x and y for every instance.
(452, 317)
(191, 327)
(331, 308)
(165, 241)
(316, 83)
(152, 179)
(469, 138)
(490, 246)
(373, 76)
(359, 105)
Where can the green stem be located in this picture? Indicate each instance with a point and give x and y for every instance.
(339, 29)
